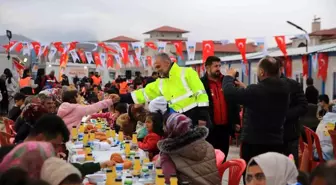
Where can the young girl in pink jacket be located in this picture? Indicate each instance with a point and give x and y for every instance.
(72, 112)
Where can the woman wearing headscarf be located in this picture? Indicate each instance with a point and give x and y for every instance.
(30, 114)
(12, 87)
(185, 152)
(28, 156)
(271, 169)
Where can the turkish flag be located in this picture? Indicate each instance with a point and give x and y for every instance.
(241, 45)
(59, 46)
(96, 58)
(208, 49)
(82, 56)
(179, 50)
(46, 51)
(151, 45)
(305, 65)
(109, 61)
(36, 46)
(288, 66)
(18, 67)
(106, 48)
(63, 59)
(149, 60)
(9, 45)
(136, 61)
(323, 60)
(19, 47)
(124, 47)
(281, 42)
(72, 45)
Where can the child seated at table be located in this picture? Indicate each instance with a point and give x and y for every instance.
(56, 171)
(132, 121)
(72, 112)
(112, 116)
(154, 122)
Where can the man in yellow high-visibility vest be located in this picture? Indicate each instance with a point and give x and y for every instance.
(181, 87)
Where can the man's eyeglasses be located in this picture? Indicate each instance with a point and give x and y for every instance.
(257, 176)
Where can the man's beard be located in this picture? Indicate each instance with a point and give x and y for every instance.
(215, 74)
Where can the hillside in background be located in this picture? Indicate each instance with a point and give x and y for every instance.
(4, 40)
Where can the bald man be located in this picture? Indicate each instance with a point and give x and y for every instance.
(265, 107)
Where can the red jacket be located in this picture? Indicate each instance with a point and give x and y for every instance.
(149, 143)
(219, 102)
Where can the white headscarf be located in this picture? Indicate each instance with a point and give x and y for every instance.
(278, 168)
(158, 104)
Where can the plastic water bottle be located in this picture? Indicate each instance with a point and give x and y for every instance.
(119, 169)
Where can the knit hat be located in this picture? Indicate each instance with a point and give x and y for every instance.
(158, 104)
(177, 125)
(55, 170)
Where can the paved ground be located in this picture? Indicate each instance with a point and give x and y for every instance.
(233, 154)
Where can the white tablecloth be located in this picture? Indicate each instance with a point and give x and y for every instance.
(100, 156)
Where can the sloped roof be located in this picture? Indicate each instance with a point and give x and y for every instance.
(122, 38)
(167, 29)
(325, 32)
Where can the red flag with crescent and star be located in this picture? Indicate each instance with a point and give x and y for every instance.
(149, 60)
(136, 61)
(106, 48)
(124, 48)
(288, 66)
(46, 51)
(64, 60)
(9, 45)
(36, 46)
(109, 61)
(179, 50)
(208, 49)
(323, 60)
(72, 45)
(96, 58)
(59, 46)
(305, 65)
(19, 47)
(281, 42)
(17, 66)
(241, 45)
(151, 45)
(82, 55)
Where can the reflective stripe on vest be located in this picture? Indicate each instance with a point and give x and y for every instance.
(145, 95)
(188, 94)
(187, 108)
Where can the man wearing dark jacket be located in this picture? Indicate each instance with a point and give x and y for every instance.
(298, 106)
(265, 105)
(224, 114)
(311, 92)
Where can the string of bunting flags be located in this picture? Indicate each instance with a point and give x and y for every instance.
(117, 55)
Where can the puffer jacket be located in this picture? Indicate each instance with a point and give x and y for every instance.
(191, 157)
(72, 114)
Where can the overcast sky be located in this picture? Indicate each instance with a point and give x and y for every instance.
(83, 20)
